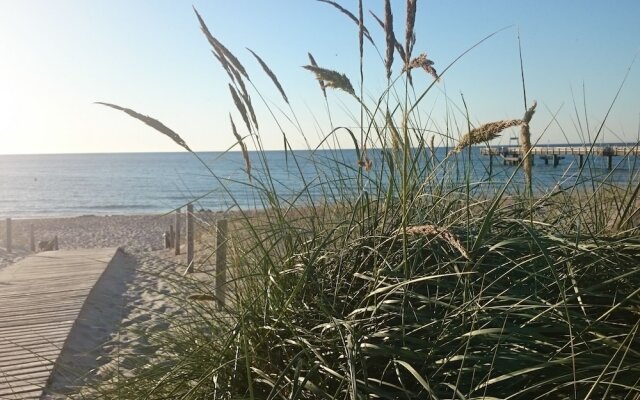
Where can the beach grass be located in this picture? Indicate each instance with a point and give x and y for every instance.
(406, 278)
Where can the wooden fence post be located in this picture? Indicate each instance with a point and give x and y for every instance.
(190, 237)
(221, 261)
(172, 237)
(32, 239)
(8, 237)
(177, 243)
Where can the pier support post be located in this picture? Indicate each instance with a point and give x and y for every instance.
(190, 240)
(610, 162)
(32, 239)
(221, 262)
(581, 160)
(177, 243)
(8, 243)
(556, 160)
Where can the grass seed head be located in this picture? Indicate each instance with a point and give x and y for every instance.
(525, 142)
(154, 123)
(273, 77)
(423, 62)
(390, 36)
(332, 78)
(485, 133)
(243, 147)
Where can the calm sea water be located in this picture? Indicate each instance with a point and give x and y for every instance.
(141, 183)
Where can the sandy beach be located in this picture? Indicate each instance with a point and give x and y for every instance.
(133, 300)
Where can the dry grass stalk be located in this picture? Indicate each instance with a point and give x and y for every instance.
(389, 35)
(525, 142)
(201, 297)
(332, 78)
(350, 15)
(273, 77)
(423, 62)
(320, 81)
(485, 133)
(240, 106)
(154, 123)
(396, 44)
(435, 231)
(396, 140)
(219, 48)
(243, 147)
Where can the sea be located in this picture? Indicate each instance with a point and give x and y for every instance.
(55, 185)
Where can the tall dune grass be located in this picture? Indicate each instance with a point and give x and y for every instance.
(407, 278)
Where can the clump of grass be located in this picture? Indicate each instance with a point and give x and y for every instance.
(424, 285)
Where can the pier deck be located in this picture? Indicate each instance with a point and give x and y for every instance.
(40, 299)
(513, 154)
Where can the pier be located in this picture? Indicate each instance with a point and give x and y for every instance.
(512, 155)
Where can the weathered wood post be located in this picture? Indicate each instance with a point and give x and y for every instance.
(32, 239)
(177, 242)
(55, 243)
(166, 239)
(190, 240)
(8, 237)
(556, 160)
(610, 162)
(581, 160)
(172, 237)
(221, 262)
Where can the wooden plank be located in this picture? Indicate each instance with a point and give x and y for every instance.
(40, 299)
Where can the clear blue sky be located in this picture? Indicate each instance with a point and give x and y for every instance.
(58, 57)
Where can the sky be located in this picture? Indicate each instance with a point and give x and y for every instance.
(57, 58)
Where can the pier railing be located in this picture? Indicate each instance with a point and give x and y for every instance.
(564, 150)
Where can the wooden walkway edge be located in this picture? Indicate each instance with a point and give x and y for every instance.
(40, 299)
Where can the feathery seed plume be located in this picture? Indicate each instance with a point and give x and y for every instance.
(154, 123)
(485, 133)
(435, 231)
(525, 142)
(220, 48)
(410, 36)
(243, 147)
(423, 62)
(240, 106)
(273, 77)
(396, 140)
(332, 78)
(396, 44)
(389, 35)
(360, 30)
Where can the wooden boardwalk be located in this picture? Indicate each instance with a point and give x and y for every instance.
(40, 299)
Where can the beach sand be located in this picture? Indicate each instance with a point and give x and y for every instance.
(133, 300)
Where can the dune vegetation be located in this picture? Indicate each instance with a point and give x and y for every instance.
(403, 279)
